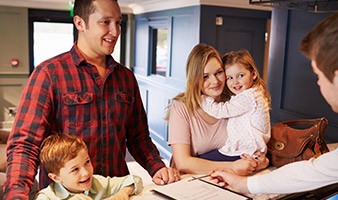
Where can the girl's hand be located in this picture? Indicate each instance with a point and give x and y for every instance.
(262, 160)
(245, 166)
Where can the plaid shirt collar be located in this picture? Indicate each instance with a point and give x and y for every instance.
(80, 60)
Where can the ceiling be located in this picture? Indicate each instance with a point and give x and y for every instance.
(134, 6)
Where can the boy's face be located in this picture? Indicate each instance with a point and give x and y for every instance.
(76, 175)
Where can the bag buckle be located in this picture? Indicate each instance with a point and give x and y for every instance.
(279, 145)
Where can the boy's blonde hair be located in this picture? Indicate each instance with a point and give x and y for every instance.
(244, 58)
(59, 148)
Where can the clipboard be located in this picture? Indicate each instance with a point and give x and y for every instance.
(198, 189)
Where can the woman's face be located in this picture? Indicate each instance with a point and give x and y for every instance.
(213, 79)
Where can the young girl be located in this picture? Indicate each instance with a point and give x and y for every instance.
(247, 111)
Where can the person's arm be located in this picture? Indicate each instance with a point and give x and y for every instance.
(236, 106)
(180, 141)
(122, 194)
(294, 177)
(186, 163)
(139, 142)
(23, 146)
(141, 146)
(121, 186)
(298, 176)
(227, 177)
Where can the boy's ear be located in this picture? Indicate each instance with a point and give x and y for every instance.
(54, 177)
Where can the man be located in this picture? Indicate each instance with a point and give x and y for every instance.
(320, 45)
(87, 93)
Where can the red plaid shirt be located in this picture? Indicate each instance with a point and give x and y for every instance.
(66, 94)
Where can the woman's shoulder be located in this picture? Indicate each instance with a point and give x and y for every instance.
(178, 105)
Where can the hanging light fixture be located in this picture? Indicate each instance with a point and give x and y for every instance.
(71, 5)
(303, 5)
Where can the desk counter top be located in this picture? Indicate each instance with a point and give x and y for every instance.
(147, 193)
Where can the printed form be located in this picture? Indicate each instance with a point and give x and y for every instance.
(196, 189)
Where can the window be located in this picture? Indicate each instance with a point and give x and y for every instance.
(159, 50)
(46, 29)
(51, 39)
(52, 32)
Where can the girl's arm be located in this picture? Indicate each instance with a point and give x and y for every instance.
(237, 105)
(186, 163)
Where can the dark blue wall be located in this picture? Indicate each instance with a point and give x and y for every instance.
(291, 81)
(183, 26)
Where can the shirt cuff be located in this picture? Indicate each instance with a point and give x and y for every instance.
(136, 181)
(253, 184)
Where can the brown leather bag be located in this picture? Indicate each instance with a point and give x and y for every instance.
(296, 140)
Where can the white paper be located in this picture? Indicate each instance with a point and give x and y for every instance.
(197, 189)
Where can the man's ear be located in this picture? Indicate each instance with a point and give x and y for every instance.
(79, 23)
(54, 177)
(335, 78)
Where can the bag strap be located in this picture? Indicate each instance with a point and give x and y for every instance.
(321, 121)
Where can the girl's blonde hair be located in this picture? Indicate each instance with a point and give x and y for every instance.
(198, 58)
(244, 58)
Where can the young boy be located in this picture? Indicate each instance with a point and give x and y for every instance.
(68, 164)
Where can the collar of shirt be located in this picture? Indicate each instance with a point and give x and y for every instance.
(80, 60)
(63, 193)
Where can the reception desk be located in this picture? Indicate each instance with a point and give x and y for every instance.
(148, 194)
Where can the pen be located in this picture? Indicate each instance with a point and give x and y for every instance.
(200, 177)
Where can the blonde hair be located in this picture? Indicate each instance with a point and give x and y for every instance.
(59, 148)
(244, 58)
(198, 58)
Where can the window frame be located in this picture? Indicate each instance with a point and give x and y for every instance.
(154, 24)
(45, 15)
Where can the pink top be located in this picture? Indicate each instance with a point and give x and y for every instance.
(186, 129)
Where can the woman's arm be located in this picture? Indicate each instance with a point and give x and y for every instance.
(186, 163)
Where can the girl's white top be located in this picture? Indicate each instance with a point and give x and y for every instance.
(248, 116)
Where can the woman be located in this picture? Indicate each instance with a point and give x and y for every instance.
(192, 132)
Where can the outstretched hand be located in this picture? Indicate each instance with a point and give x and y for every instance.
(227, 177)
(166, 175)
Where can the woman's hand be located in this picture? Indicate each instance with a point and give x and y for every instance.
(244, 166)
